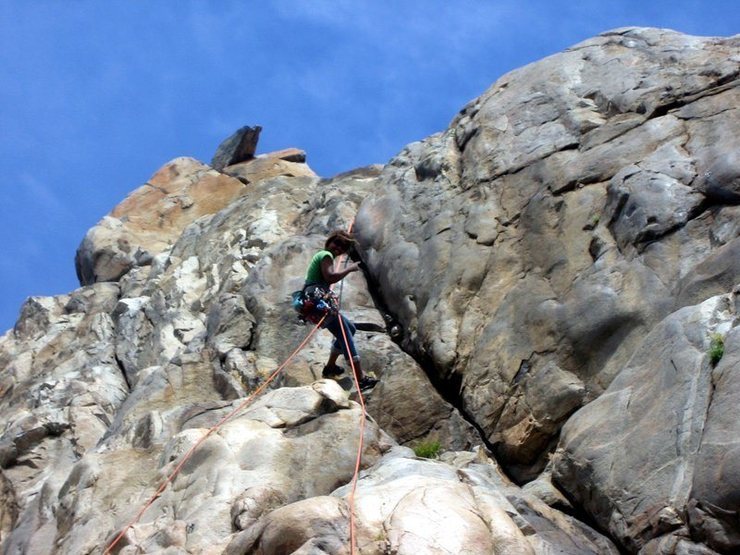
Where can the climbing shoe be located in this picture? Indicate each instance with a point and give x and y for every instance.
(332, 371)
(367, 383)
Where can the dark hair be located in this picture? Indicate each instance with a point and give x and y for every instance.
(341, 237)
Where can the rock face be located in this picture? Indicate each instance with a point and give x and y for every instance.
(658, 452)
(529, 249)
(151, 218)
(559, 270)
(468, 507)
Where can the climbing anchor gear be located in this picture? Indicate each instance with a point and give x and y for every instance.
(314, 302)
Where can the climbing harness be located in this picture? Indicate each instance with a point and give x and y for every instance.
(314, 302)
(323, 312)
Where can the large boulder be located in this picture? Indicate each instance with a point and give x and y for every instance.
(657, 454)
(406, 505)
(240, 146)
(528, 249)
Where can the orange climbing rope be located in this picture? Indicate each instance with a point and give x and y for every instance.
(363, 418)
(220, 423)
(358, 459)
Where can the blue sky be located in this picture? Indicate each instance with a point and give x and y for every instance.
(96, 95)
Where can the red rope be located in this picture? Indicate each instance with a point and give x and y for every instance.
(220, 423)
(363, 418)
(358, 459)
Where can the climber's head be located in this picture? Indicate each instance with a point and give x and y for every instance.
(339, 242)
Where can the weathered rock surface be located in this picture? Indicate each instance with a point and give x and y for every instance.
(528, 249)
(151, 219)
(406, 505)
(658, 452)
(246, 468)
(553, 267)
(290, 162)
(61, 389)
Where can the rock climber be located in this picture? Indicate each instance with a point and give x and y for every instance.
(320, 275)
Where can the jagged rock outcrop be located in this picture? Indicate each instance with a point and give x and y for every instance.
(152, 218)
(239, 147)
(553, 266)
(61, 389)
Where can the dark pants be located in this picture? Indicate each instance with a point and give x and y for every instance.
(332, 324)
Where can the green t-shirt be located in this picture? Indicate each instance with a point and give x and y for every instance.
(314, 275)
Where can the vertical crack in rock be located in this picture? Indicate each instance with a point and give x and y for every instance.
(121, 367)
(684, 436)
(448, 388)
